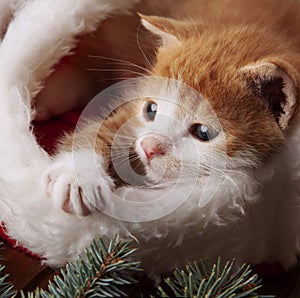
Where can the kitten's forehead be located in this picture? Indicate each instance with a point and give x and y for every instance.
(165, 92)
(178, 102)
(189, 103)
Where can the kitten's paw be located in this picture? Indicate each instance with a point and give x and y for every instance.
(78, 191)
(62, 187)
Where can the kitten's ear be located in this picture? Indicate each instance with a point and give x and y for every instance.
(165, 28)
(276, 86)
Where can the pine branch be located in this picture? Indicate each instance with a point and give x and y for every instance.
(101, 273)
(105, 270)
(202, 280)
(6, 288)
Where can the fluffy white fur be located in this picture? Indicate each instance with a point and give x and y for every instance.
(254, 216)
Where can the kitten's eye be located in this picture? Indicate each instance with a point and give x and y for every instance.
(150, 110)
(202, 132)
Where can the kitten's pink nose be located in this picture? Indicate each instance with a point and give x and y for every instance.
(152, 147)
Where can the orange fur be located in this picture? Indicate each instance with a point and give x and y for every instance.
(216, 42)
(99, 135)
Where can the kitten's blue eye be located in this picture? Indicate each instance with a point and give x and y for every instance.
(150, 110)
(203, 132)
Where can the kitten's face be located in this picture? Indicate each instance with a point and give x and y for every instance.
(241, 106)
(245, 101)
(167, 138)
(177, 139)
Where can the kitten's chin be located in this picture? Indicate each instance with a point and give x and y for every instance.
(157, 170)
(135, 169)
(152, 170)
(147, 173)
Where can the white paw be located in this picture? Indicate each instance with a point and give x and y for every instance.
(77, 192)
(62, 187)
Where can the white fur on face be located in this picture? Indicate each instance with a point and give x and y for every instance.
(185, 155)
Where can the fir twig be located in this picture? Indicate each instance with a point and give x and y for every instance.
(101, 273)
(6, 288)
(202, 280)
(105, 270)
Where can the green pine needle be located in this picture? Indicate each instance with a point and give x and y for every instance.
(105, 270)
(6, 288)
(203, 280)
(102, 272)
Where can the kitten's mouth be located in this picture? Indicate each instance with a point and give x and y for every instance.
(148, 170)
(136, 163)
(132, 170)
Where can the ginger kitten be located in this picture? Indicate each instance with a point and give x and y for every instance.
(242, 59)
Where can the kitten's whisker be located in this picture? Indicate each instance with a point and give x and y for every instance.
(126, 155)
(115, 70)
(124, 62)
(147, 71)
(140, 47)
(120, 155)
(245, 175)
(119, 137)
(143, 71)
(135, 158)
(242, 194)
(124, 160)
(115, 135)
(196, 170)
(122, 164)
(127, 144)
(112, 79)
(123, 149)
